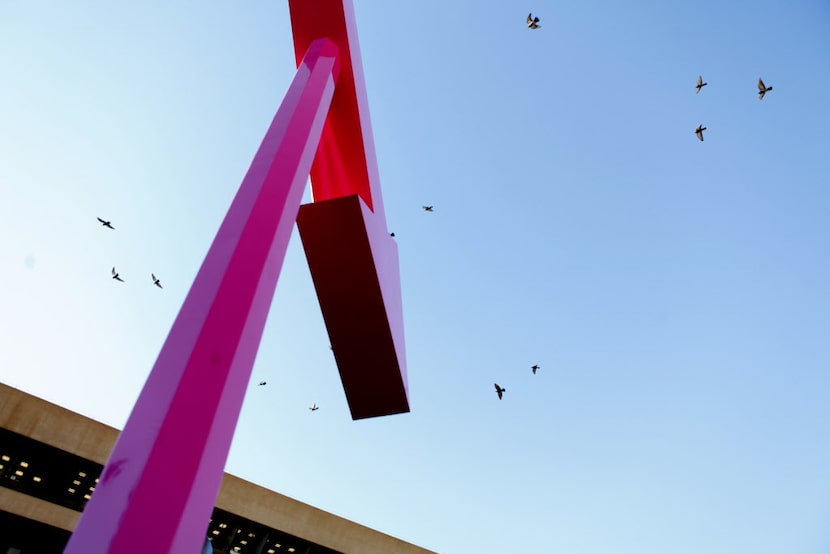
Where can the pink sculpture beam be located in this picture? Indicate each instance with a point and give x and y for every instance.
(159, 486)
(353, 260)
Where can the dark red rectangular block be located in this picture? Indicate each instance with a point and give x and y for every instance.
(354, 265)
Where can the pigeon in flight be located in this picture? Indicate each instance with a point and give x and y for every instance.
(262, 383)
(427, 208)
(699, 131)
(532, 22)
(700, 84)
(116, 276)
(499, 390)
(156, 281)
(762, 89)
(314, 407)
(534, 368)
(106, 223)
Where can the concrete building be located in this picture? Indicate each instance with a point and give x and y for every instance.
(50, 460)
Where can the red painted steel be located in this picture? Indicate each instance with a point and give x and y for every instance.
(353, 260)
(346, 163)
(354, 264)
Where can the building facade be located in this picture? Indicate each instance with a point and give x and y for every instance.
(50, 460)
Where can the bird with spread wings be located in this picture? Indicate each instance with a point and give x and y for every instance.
(532, 22)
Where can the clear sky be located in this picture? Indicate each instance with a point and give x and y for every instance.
(675, 293)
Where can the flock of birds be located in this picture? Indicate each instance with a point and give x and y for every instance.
(115, 274)
(532, 23)
(762, 90)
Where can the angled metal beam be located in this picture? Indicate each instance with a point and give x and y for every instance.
(353, 260)
(159, 486)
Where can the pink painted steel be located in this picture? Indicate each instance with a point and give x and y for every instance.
(160, 484)
(348, 247)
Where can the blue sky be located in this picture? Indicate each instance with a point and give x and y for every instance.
(675, 293)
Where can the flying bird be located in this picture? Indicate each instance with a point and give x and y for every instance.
(762, 89)
(116, 276)
(499, 390)
(261, 383)
(156, 282)
(532, 22)
(314, 407)
(534, 368)
(699, 131)
(106, 223)
(427, 208)
(700, 84)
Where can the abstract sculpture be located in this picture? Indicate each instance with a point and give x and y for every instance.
(158, 488)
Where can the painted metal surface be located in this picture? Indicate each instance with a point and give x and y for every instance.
(346, 163)
(354, 264)
(353, 260)
(158, 488)
(160, 483)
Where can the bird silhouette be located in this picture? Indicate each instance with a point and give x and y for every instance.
(700, 84)
(156, 282)
(391, 234)
(534, 368)
(427, 208)
(699, 131)
(261, 383)
(762, 89)
(314, 407)
(116, 276)
(532, 22)
(499, 390)
(106, 223)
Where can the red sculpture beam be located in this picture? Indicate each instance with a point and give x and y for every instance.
(345, 163)
(353, 260)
